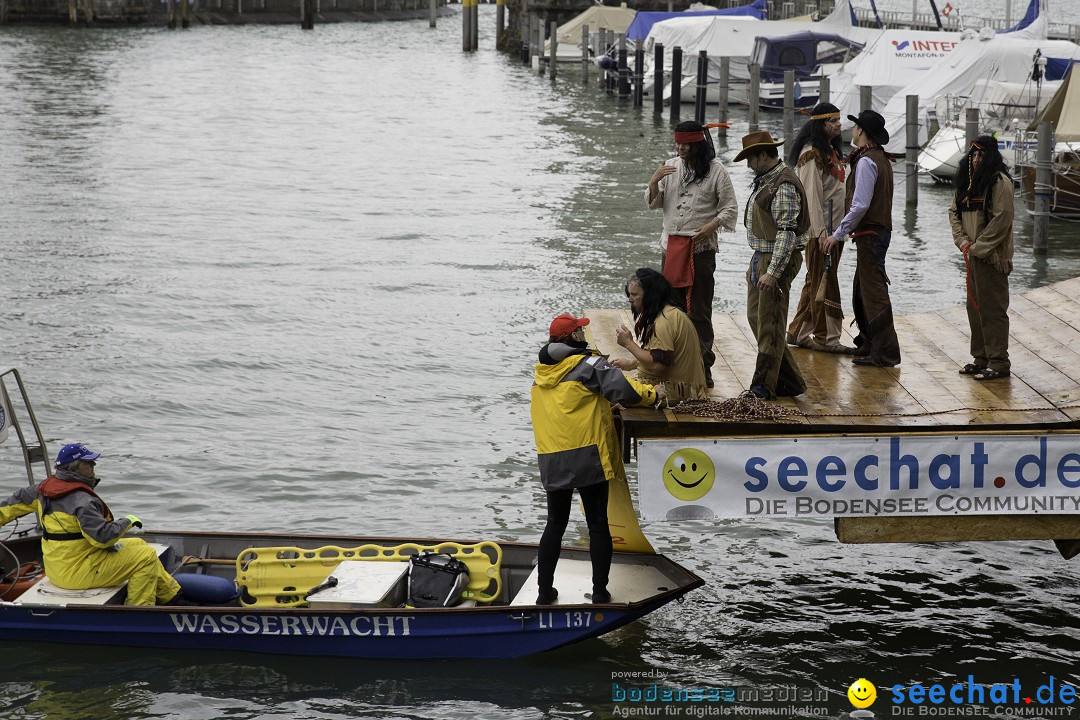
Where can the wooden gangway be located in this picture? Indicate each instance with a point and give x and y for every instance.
(926, 389)
(924, 394)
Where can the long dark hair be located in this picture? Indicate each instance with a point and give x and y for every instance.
(701, 152)
(972, 191)
(658, 294)
(813, 132)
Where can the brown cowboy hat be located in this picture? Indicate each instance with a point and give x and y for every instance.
(755, 141)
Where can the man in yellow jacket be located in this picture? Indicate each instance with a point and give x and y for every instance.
(83, 545)
(576, 445)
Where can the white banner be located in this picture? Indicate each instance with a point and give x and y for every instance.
(824, 477)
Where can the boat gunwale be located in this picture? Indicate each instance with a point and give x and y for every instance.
(661, 561)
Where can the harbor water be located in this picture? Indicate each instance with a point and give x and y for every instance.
(296, 281)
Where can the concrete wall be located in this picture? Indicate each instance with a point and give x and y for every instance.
(156, 12)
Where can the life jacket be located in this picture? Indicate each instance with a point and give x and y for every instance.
(54, 487)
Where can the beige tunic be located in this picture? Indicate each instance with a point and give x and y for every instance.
(685, 380)
(992, 241)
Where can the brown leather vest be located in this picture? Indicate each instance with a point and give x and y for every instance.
(879, 214)
(764, 226)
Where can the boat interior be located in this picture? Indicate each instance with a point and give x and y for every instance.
(342, 573)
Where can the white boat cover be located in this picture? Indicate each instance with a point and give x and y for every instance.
(1064, 110)
(734, 37)
(1006, 58)
(596, 17)
(891, 61)
(999, 102)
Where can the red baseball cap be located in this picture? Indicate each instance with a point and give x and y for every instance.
(566, 324)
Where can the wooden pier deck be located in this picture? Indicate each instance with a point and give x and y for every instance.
(924, 394)
(925, 391)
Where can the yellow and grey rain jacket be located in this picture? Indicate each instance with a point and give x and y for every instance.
(572, 394)
(76, 522)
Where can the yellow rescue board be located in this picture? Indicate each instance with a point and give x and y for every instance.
(283, 576)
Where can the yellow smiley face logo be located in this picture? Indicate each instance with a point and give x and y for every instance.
(861, 693)
(689, 474)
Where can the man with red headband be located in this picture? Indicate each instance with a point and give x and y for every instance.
(698, 200)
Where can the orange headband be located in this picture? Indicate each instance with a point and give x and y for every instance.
(690, 137)
(825, 116)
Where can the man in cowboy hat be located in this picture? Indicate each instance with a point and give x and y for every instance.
(698, 200)
(777, 223)
(868, 220)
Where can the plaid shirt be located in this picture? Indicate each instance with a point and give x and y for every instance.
(785, 212)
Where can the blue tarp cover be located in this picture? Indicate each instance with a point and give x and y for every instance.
(643, 21)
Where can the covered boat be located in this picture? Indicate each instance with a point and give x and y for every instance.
(806, 54)
(1063, 111)
(896, 62)
(335, 596)
(568, 35)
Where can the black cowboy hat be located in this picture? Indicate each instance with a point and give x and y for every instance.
(873, 125)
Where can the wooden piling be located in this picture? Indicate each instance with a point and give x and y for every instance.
(610, 78)
(658, 79)
(866, 98)
(170, 9)
(185, 13)
(73, 13)
(971, 126)
(432, 12)
(624, 68)
(789, 110)
(1044, 188)
(639, 74)
(553, 31)
(474, 25)
(466, 16)
(584, 54)
(725, 78)
(523, 32)
(912, 150)
(823, 89)
(701, 86)
(676, 84)
(500, 22)
(541, 66)
(752, 95)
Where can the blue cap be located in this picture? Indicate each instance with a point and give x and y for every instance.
(75, 451)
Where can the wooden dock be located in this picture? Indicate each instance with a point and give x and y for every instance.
(926, 389)
(924, 394)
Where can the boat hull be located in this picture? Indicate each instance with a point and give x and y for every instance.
(512, 627)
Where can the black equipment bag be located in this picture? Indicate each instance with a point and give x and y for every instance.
(436, 580)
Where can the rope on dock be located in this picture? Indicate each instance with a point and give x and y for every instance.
(747, 407)
(739, 409)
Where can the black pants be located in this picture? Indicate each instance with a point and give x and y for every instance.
(559, 502)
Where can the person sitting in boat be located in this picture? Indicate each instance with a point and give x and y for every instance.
(576, 444)
(668, 349)
(83, 546)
